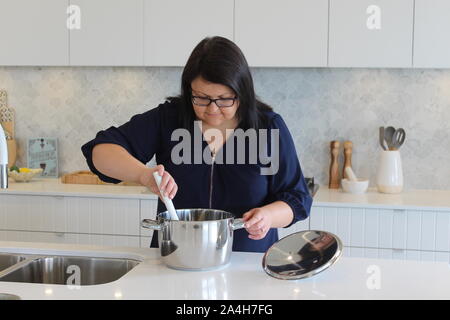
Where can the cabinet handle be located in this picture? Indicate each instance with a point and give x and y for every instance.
(60, 234)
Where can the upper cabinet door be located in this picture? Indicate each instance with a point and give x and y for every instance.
(33, 33)
(371, 33)
(174, 27)
(282, 33)
(431, 28)
(109, 34)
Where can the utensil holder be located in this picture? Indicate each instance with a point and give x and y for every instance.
(390, 172)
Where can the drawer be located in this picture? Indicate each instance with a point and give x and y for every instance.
(385, 228)
(102, 216)
(32, 213)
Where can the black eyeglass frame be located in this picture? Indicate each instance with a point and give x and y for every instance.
(213, 100)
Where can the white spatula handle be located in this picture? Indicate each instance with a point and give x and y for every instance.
(166, 200)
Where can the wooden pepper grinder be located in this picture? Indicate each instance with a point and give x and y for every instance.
(334, 166)
(348, 149)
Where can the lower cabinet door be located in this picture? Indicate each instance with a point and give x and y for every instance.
(71, 238)
(106, 216)
(402, 229)
(32, 213)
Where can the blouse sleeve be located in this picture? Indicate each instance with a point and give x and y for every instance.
(140, 136)
(288, 183)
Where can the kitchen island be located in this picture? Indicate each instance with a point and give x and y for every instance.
(242, 279)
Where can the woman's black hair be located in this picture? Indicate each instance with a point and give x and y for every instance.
(219, 60)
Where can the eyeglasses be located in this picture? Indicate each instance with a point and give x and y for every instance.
(221, 102)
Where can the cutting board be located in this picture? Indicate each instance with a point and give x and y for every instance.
(81, 177)
(87, 177)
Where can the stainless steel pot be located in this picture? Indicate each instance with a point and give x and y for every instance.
(201, 239)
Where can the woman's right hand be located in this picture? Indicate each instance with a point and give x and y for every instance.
(168, 186)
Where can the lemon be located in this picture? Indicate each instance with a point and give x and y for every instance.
(24, 170)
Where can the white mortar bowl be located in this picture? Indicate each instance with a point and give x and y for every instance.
(355, 187)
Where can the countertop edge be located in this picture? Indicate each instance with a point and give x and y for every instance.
(54, 187)
(321, 204)
(426, 200)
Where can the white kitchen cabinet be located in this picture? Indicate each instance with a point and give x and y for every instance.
(110, 33)
(431, 25)
(284, 33)
(172, 28)
(371, 33)
(404, 233)
(102, 216)
(70, 214)
(33, 33)
(32, 213)
(61, 219)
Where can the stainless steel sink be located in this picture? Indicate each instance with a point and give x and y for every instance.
(7, 260)
(67, 270)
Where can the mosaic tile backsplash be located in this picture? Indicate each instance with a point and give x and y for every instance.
(318, 105)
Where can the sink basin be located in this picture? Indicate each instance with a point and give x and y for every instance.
(7, 260)
(68, 270)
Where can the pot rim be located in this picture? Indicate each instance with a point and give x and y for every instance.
(197, 221)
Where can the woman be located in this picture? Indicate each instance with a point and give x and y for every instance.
(217, 101)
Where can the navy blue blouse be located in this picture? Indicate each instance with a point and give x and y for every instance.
(226, 185)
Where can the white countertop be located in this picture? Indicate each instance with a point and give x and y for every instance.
(54, 187)
(242, 279)
(408, 199)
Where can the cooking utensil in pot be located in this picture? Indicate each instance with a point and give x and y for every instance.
(202, 239)
(302, 255)
(166, 200)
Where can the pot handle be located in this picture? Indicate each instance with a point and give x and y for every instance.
(238, 224)
(150, 224)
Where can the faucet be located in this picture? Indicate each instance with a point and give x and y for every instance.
(3, 160)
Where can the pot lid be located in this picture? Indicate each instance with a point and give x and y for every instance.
(302, 254)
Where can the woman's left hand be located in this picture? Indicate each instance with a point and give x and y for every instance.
(258, 221)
